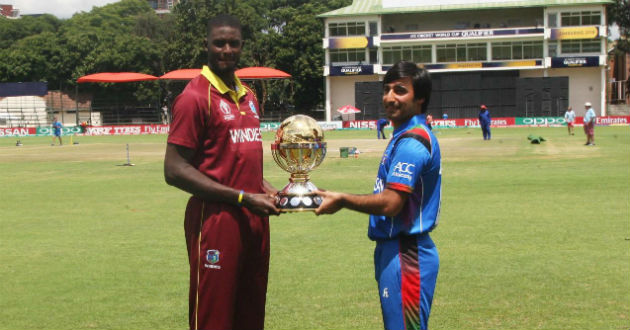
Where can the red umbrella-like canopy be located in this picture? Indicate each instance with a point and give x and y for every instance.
(259, 72)
(181, 74)
(114, 77)
(348, 109)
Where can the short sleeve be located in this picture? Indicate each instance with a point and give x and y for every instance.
(410, 158)
(187, 126)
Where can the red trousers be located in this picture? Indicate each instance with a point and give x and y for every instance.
(228, 251)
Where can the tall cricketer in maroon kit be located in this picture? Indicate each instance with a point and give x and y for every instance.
(214, 152)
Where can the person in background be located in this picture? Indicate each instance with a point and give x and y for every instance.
(445, 115)
(485, 121)
(57, 126)
(429, 121)
(589, 124)
(569, 117)
(214, 152)
(405, 205)
(380, 127)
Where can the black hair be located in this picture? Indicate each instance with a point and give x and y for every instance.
(224, 20)
(420, 79)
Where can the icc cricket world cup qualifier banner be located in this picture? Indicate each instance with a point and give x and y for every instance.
(333, 125)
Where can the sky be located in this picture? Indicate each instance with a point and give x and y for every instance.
(59, 8)
(66, 8)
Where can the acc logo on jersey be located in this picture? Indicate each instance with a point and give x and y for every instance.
(227, 112)
(253, 108)
(404, 167)
(403, 170)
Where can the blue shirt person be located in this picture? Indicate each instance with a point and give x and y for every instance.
(56, 126)
(405, 205)
(380, 126)
(485, 121)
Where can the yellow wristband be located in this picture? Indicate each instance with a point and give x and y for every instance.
(239, 202)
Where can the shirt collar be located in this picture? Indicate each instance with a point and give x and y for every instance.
(413, 121)
(222, 87)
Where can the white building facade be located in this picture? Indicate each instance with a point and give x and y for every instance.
(521, 58)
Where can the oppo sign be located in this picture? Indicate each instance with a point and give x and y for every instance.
(541, 121)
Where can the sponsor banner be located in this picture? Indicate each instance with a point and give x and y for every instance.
(68, 130)
(572, 33)
(17, 131)
(351, 70)
(566, 62)
(461, 34)
(540, 121)
(330, 125)
(350, 42)
(480, 65)
(473, 122)
(609, 120)
(360, 124)
(126, 130)
(269, 127)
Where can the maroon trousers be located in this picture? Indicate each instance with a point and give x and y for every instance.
(228, 251)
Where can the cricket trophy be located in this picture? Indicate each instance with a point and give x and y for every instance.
(298, 149)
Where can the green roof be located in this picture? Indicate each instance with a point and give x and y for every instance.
(375, 7)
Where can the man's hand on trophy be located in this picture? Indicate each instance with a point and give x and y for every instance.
(332, 202)
(260, 204)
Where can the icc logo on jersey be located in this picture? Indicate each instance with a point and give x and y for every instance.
(227, 112)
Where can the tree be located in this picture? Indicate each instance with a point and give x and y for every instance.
(619, 13)
(284, 34)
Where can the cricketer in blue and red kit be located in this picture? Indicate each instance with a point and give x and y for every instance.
(405, 259)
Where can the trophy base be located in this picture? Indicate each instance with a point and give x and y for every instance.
(298, 203)
(298, 196)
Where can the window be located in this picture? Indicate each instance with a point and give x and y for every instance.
(591, 18)
(447, 53)
(580, 46)
(517, 50)
(341, 56)
(373, 56)
(476, 52)
(581, 18)
(501, 50)
(461, 52)
(416, 54)
(570, 19)
(373, 28)
(571, 46)
(552, 20)
(346, 29)
(553, 49)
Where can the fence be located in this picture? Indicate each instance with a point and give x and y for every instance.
(71, 110)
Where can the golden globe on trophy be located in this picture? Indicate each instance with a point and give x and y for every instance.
(298, 149)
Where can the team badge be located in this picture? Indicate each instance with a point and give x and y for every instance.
(212, 256)
(227, 112)
(253, 108)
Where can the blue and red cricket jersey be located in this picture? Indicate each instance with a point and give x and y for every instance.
(405, 259)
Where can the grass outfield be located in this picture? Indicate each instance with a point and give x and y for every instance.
(530, 236)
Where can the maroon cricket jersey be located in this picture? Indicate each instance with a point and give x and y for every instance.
(228, 246)
(223, 127)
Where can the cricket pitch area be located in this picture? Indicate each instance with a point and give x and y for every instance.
(529, 236)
